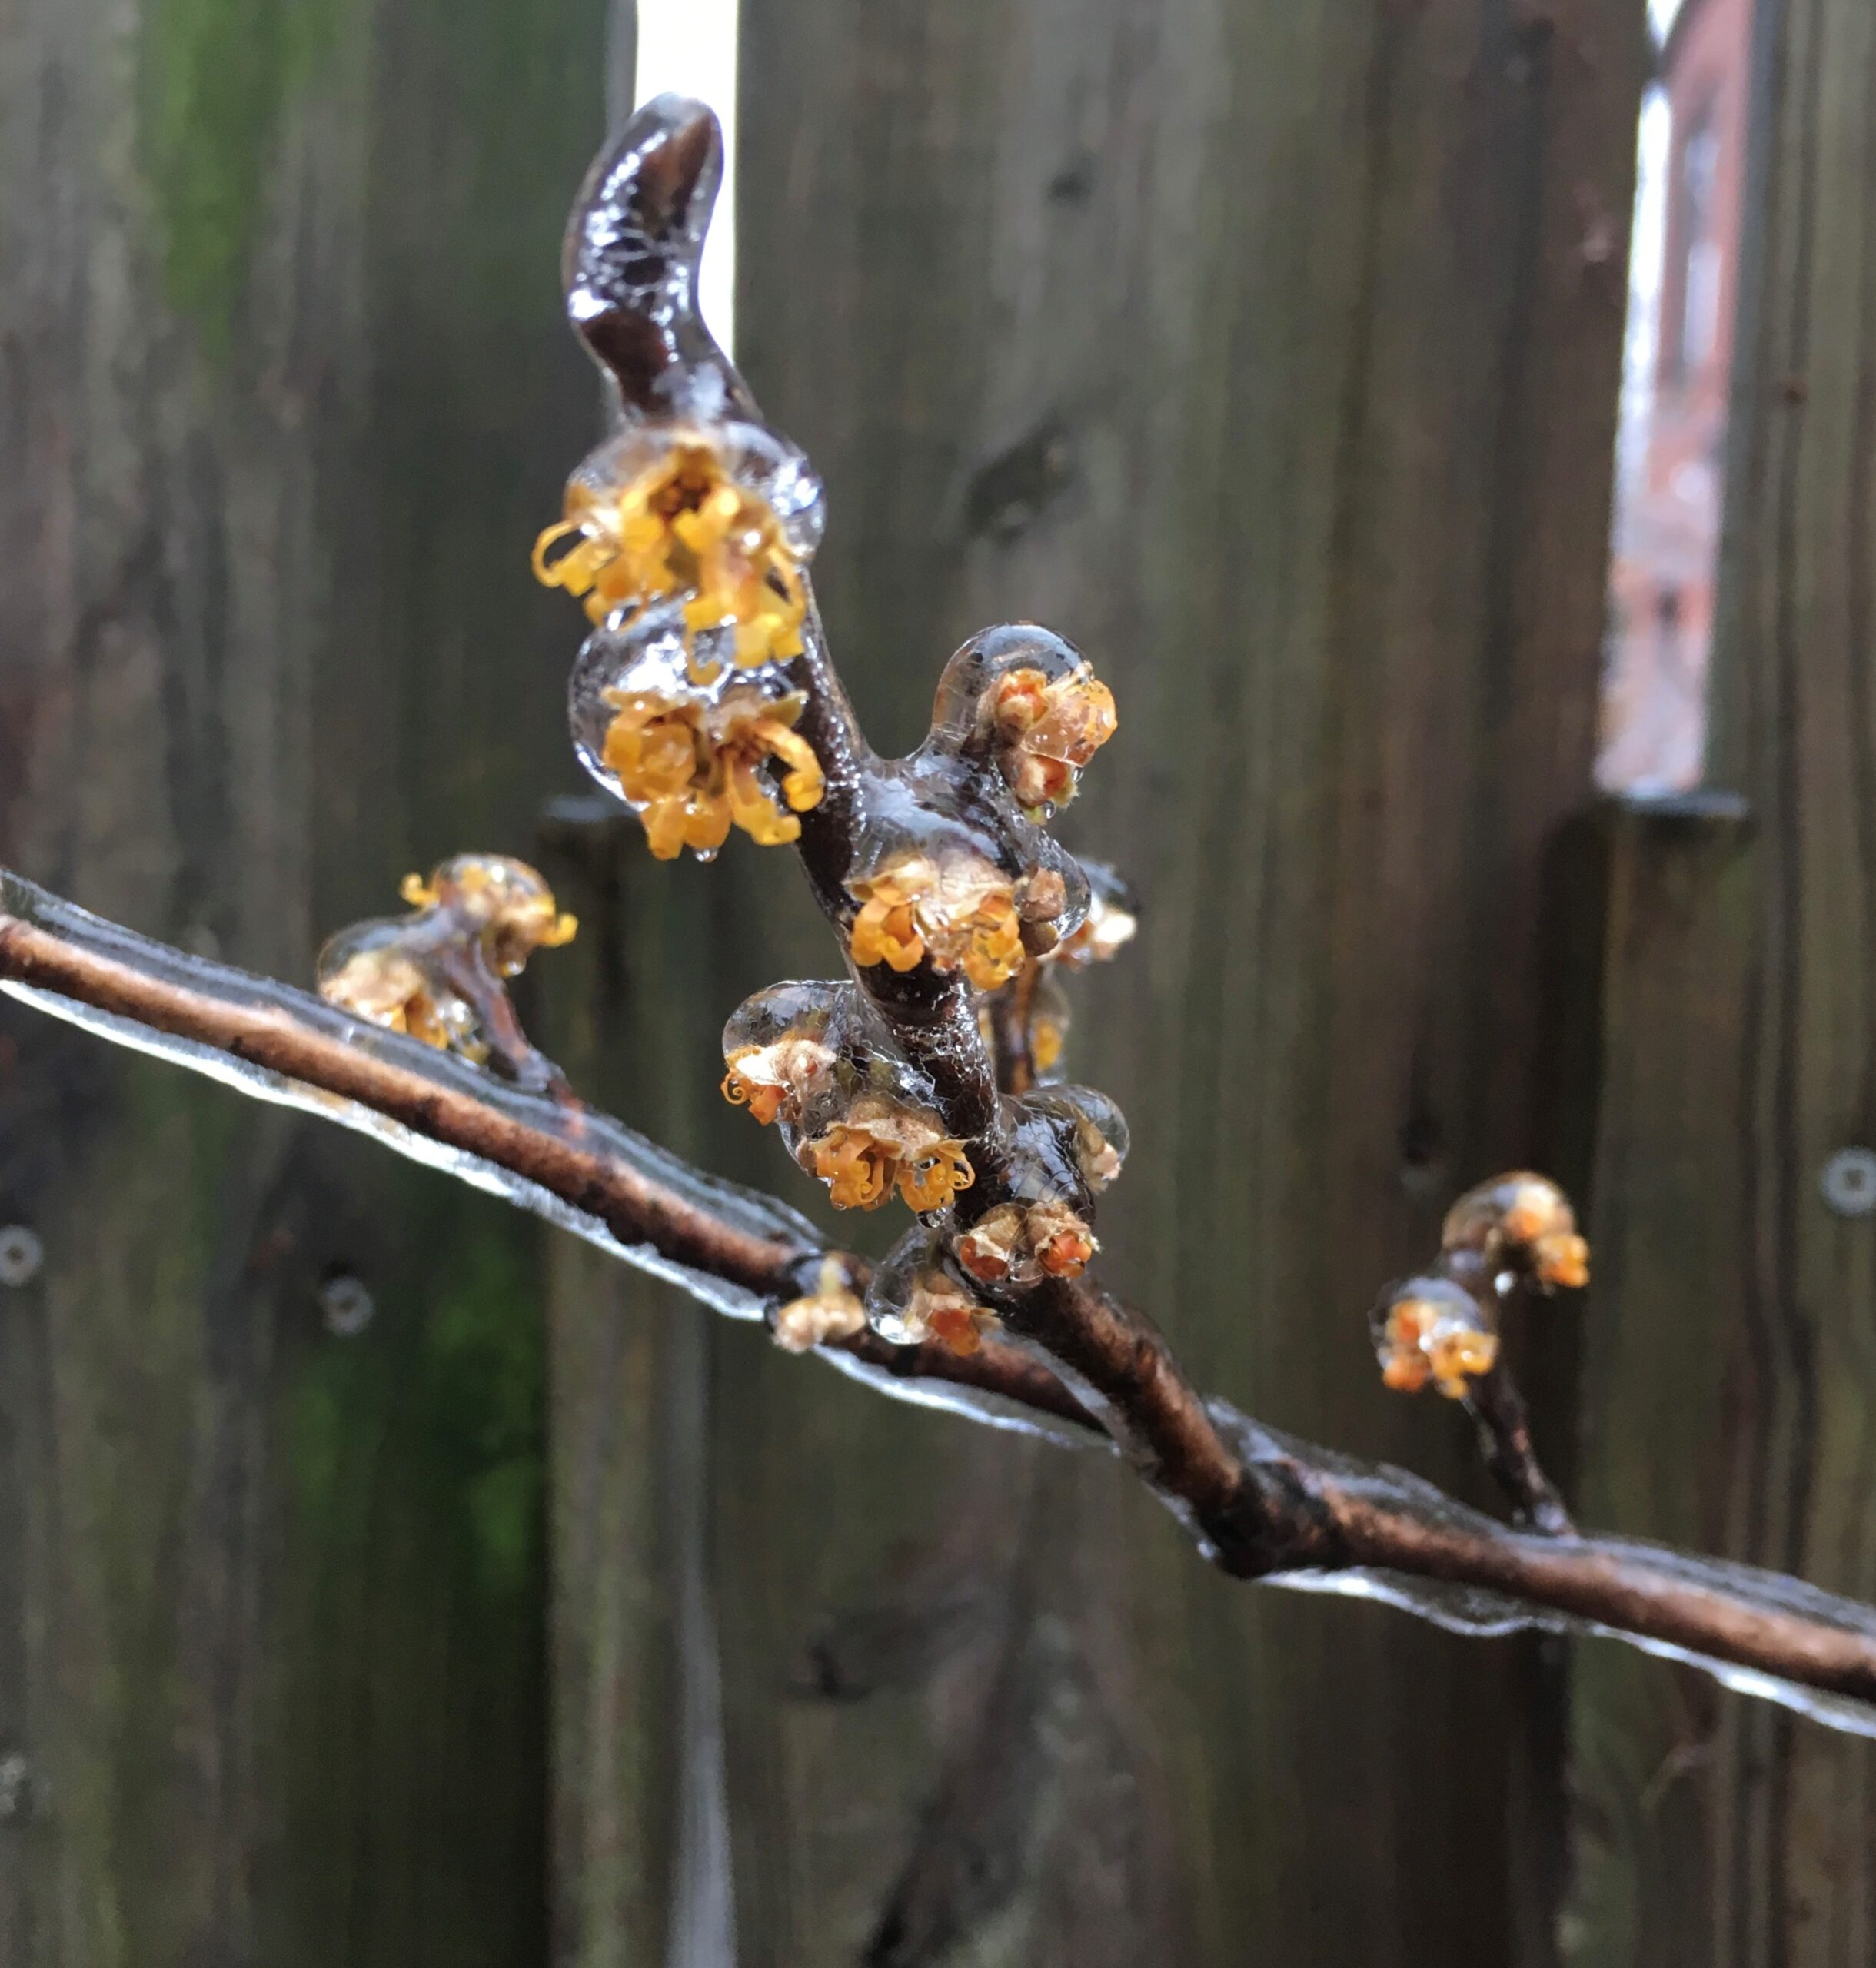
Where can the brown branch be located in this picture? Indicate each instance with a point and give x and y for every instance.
(299, 1037)
(1261, 1506)
(1505, 1441)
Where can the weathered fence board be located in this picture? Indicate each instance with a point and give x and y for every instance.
(1270, 352)
(1730, 1358)
(284, 395)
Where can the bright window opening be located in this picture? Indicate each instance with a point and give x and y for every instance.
(688, 48)
(1676, 376)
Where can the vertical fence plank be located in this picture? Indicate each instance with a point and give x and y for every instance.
(285, 393)
(1271, 352)
(1711, 1830)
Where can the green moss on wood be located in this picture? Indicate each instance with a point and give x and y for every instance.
(215, 78)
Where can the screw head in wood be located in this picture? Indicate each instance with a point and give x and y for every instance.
(21, 1254)
(347, 1306)
(1848, 1181)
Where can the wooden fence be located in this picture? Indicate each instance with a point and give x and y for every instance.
(1270, 352)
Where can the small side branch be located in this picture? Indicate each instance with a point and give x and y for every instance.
(1505, 1441)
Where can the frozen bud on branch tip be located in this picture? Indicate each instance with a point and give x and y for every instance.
(1028, 702)
(913, 1298)
(817, 1060)
(438, 973)
(1432, 1329)
(686, 535)
(691, 760)
(1443, 1327)
(830, 1312)
(1523, 1223)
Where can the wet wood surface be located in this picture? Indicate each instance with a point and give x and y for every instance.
(1731, 1375)
(1271, 353)
(284, 396)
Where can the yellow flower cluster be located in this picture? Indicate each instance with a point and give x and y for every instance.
(882, 1145)
(964, 916)
(1524, 1220)
(1424, 1341)
(690, 768)
(1047, 730)
(503, 902)
(682, 527)
(434, 974)
(1020, 1242)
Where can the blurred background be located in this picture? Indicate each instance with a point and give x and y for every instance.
(385, 1580)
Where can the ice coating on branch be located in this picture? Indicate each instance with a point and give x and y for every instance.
(1059, 1146)
(694, 501)
(438, 973)
(1463, 1607)
(1431, 1329)
(818, 1060)
(1443, 1327)
(541, 1112)
(1027, 702)
(1086, 1124)
(691, 759)
(1045, 1015)
(914, 1297)
(1112, 921)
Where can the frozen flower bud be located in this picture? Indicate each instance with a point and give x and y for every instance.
(1431, 1329)
(682, 514)
(831, 1312)
(1113, 919)
(1020, 1244)
(913, 1298)
(1087, 1125)
(958, 912)
(879, 1144)
(691, 760)
(1522, 1223)
(437, 974)
(778, 1051)
(367, 971)
(1030, 703)
(502, 903)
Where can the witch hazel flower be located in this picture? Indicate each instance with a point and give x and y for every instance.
(438, 974)
(691, 760)
(914, 1299)
(816, 1059)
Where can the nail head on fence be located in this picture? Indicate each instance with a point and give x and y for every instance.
(21, 1254)
(347, 1306)
(1848, 1181)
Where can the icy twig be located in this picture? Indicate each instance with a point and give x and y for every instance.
(1261, 1505)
